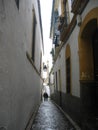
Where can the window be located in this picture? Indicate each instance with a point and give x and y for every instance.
(68, 80)
(17, 3)
(59, 71)
(56, 81)
(33, 35)
(40, 62)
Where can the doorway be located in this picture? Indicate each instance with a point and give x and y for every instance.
(88, 60)
(95, 53)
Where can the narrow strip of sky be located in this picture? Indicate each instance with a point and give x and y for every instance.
(46, 8)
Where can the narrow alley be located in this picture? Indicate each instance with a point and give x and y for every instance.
(49, 47)
(50, 117)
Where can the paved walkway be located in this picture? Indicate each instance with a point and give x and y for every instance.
(49, 117)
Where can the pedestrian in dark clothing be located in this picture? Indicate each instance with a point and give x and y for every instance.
(45, 95)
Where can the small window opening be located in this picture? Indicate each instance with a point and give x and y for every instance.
(17, 3)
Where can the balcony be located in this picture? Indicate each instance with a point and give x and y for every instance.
(66, 30)
(78, 6)
(63, 21)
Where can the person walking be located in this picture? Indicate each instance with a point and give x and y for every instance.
(45, 95)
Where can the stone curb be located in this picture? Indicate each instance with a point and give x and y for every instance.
(30, 122)
(68, 117)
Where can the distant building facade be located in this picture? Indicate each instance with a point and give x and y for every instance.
(21, 52)
(74, 30)
(46, 73)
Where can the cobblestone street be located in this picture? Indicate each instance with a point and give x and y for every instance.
(49, 117)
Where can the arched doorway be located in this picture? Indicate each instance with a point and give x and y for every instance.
(88, 53)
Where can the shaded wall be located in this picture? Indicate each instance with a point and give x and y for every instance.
(19, 82)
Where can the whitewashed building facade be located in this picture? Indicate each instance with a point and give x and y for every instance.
(74, 53)
(21, 52)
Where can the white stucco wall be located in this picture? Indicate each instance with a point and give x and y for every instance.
(19, 82)
(73, 42)
(51, 81)
(62, 68)
(60, 64)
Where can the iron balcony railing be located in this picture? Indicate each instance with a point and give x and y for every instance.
(64, 21)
